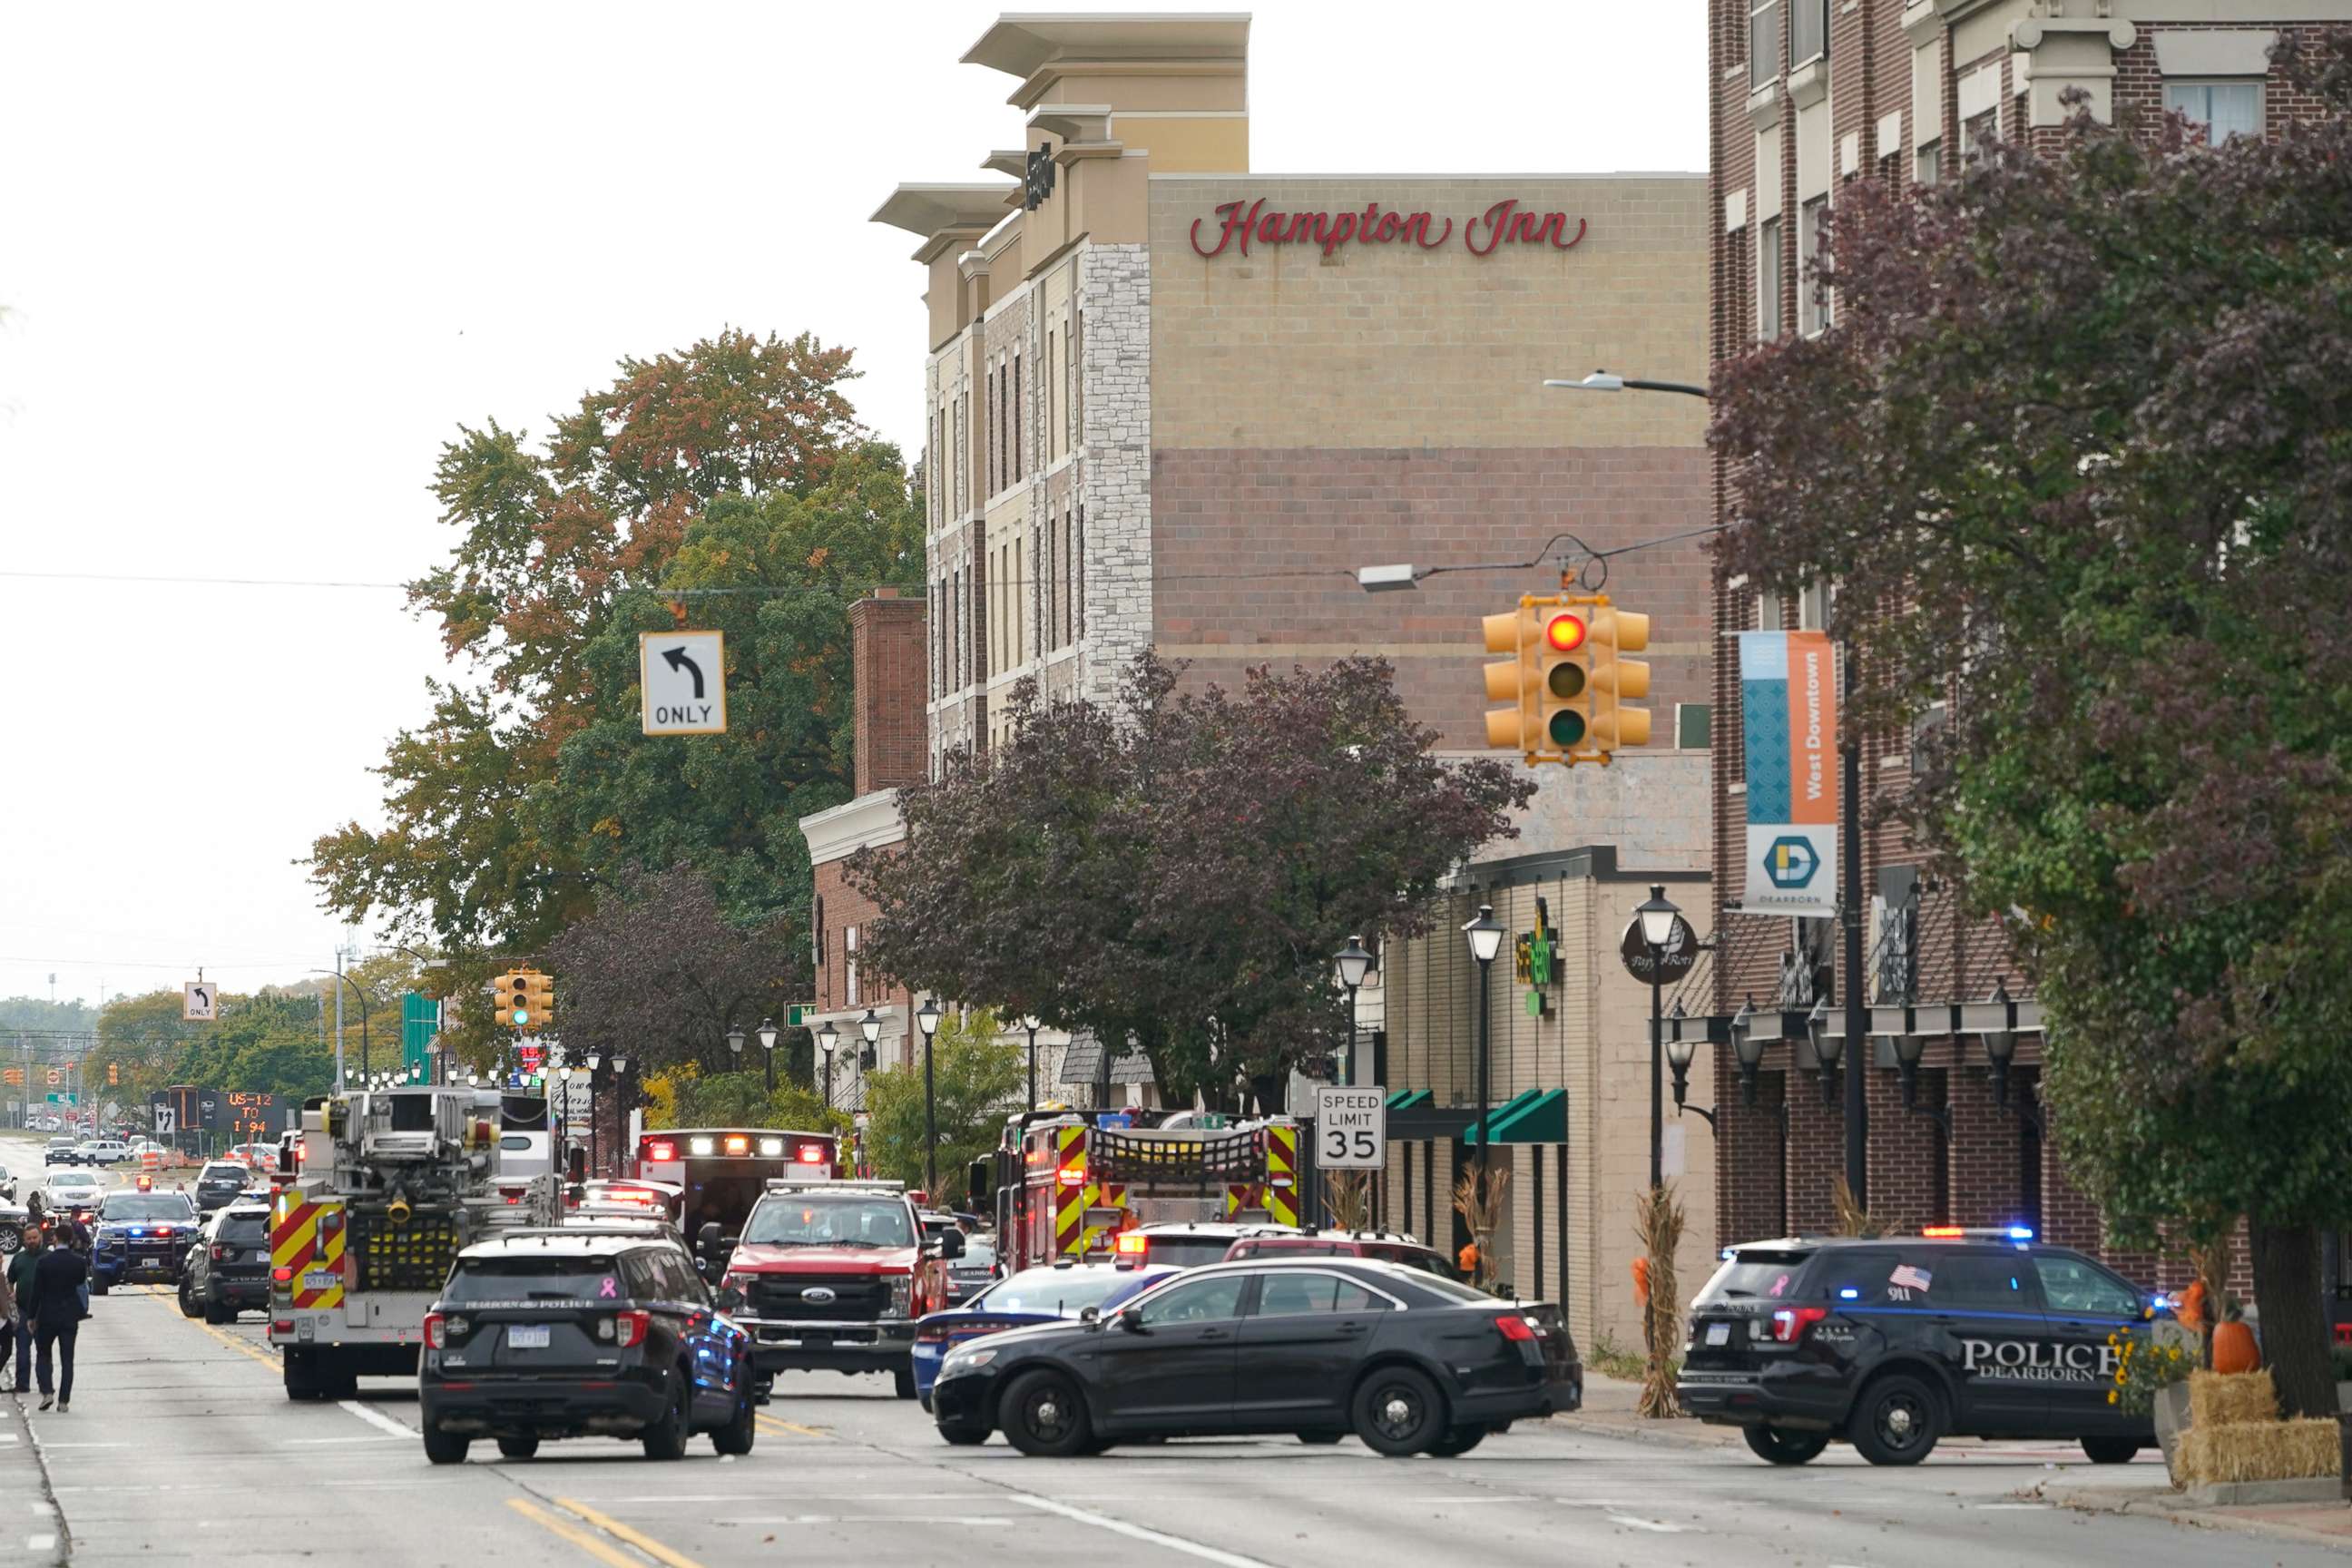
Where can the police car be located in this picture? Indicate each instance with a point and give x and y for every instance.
(1894, 1343)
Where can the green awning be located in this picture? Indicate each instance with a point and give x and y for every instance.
(1538, 1116)
(1500, 1117)
(1406, 1098)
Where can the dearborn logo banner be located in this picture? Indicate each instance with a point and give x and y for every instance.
(1788, 699)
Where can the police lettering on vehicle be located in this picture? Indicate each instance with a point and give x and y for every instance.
(2039, 1359)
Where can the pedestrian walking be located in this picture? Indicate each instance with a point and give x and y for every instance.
(57, 1281)
(20, 1287)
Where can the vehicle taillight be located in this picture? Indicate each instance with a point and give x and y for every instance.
(810, 1154)
(930, 1333)
(661, 1150)
(280, 1274)
(1790, 1323)
(1133, 1244)
(1513, 1326)
(629, 1328)
(436, 1331)
(219, 1252)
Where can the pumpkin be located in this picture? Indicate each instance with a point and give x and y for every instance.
(2190, 1309)
(2233, 1348)
(1641, 1281)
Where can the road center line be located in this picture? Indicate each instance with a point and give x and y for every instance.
(572, 1533)
(1138, 1532)
(636, 1538)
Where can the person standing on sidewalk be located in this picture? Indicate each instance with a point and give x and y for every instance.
(56, 1314)
(20, 1287)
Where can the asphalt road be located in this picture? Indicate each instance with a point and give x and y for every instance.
(182, 1447)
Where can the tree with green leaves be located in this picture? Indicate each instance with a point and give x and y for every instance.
(978, 1078)
(1178, 871)
(2074, 455)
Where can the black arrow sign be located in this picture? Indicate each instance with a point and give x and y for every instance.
(679, 660)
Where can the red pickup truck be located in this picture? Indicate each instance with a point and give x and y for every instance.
(831, 1276)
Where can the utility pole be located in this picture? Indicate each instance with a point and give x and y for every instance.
(1857, 1010)
(339, 1017)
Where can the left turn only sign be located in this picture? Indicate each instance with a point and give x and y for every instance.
(683, 676)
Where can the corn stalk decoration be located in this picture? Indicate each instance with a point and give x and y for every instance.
(1658, 1226)
(1852, 1219)
(1478, 1199)
(1347, 1198)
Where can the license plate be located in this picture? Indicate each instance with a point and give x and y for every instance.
(527, 1337)
(322, 1280)
(1718, 1333)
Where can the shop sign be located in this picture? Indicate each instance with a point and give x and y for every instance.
(1241, 224)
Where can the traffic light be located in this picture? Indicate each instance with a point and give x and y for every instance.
(513, 999)
(542, 993)
(114, 1075)
(1617, 681)
(13, 1075)
(1512, 632)
(1564, 681)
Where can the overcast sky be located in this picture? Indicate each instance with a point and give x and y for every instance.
(260, 262)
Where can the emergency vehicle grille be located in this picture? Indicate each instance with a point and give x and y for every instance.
(412, 1257)
(782, 1298)
(1185, 1155)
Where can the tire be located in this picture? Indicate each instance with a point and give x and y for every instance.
(518, 1448)
(188, 1308)
(1458, 1441)
(98, 1287)
(301, 1373)
(902, 1382)
(1779, 1446)
(1896, 1421)
(1320, 1439)
(1044, 1416)
(445, 1448)
(1398, 1411)
(666, 1438)
(2112, 1450)
(741, 1427)
(961, 1436)
(218, 1312)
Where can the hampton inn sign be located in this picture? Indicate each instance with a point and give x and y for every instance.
(1504, 223)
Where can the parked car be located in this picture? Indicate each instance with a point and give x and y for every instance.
(1388, 1246)
(7, 1184)
(550, 1334)
(227, 1271)
(967, 1275)
(1316, 1346)
(1183, 1244)
(1059, 1290)
(14, 1218)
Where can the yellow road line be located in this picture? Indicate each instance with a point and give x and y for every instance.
(231, 1341)
(636, 1538)
(776, 1424)
(580, 1537)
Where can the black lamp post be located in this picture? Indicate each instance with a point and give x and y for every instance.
(1484, 936)
(828, 1040)
(1658, 914)
(1827, 1049)
(563, 1116)
(1029, 1023)
(596, 1060)
(869, 1029)
(926, 1018)
(735, 1048)
(767, 1049)
(1353, 963)
(620, 1109)
(1678, 1057)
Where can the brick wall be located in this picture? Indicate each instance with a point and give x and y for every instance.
(886, 652)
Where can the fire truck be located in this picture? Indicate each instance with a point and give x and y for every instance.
(391, 1184)
(1065, 1182)
(720, 1173)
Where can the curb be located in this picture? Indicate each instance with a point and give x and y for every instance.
(1673, 1432)
(33, 1458)
(2165, 1507)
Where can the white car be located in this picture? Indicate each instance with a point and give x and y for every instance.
(103, 1151)
(66, 1186)
(7, 1184)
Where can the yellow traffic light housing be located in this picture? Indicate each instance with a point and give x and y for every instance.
(513, 1002)
(1568, 683)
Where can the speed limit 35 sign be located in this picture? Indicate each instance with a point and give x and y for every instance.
(1352, 1128)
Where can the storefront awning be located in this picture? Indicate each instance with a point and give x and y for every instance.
(1407, 1098)
(1536, 1115)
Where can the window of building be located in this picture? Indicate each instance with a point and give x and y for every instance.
(1808, 31)
(1768, 278)
(1020, 452)
(1763, 42)
(816, 941)
(1931, 163)
(2225, 109)
(1812, 302)
(849, 964)
(1003, 430)
(1975, 132)
(1020, 585)
(1078, 570)
(1053, 375)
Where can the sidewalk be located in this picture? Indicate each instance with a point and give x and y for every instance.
(2311, 1523)
(24, 1482)
(1609, 1411)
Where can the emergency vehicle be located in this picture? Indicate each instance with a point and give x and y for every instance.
(391, 1185)
(720, 1173)
(1066, 1183)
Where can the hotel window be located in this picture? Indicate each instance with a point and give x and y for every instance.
(1931, 163)
(1004, 431)
(1763, 42)
(1975, 130)
(1808, 29)
(1768, 278)
(1812, 302)
(1078, 570)
(1053, 430)
(1020, 452)
(849, 963)
(2225, 109)
(1018, 587)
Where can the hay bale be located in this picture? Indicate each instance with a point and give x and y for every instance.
(2259, 1451)
(2225, 1399)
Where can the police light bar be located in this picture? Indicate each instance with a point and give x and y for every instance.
(1133, 1244)
(1980, 1233)
(737, 1144)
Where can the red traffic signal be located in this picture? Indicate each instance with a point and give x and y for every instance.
(1565, 634)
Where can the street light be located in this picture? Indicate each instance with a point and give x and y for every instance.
(735, 1046)
(1485, 935)
(596, 1060)
(1604, 381)
(828, 1039)
(768, 1046)
(870, 1026)
(926, 1018)
(1029, 1022)
(1352, 963)
(1827, 1048)
(1679, 1052)
(1658, 914)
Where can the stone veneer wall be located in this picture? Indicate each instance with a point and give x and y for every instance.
(1115, 455)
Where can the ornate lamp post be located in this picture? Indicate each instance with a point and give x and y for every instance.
(1352, 964)
(828, 1040)
(1657, 913)
(768, 1047)
(1484, 936)
(928, 1019)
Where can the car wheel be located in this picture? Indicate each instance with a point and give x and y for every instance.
(1779, 1446)
(1895, 1422)
(961, 1436)
(1458, 1441)
(1398, 1411)
(445, 1448)
(1045, 1416)
(98, 1286)
(2111, 1450)
(902, 1382)
(9, 1240)
(518, 1448)
(1320, 1439)
(666, 1438)
(188, 1308)
(736, 1437)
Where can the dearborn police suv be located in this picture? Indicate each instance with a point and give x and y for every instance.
(1891, 1342)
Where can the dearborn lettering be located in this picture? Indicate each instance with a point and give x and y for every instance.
(2038, 1361)
(1244, 223)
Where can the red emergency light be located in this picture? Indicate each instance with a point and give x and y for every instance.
(1071, 1178)
(661, 1150)
(737, 1144)
(1133, 1244)
(810, 1154)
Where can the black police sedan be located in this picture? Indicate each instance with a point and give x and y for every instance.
(227, 1269)
(1894, 1342)
(1316, 1346)
(574, 1332)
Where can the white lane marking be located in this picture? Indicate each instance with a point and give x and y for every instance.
(39, 1542)
(377, 1418)
(1138, 1532)
(1657, 1526)
(2006, 1507)
(325, 1442)
(7, 1437)
(47, 1447)
(876, 1519)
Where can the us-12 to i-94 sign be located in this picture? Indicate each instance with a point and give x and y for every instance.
(683, 677)
(1352, 1128)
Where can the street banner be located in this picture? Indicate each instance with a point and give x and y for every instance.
(1788, 697)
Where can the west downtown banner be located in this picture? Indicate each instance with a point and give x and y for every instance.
(1788, 697)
